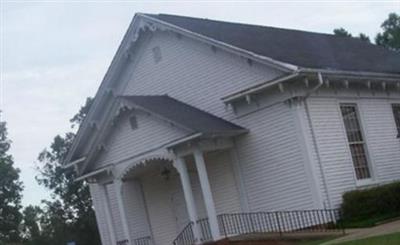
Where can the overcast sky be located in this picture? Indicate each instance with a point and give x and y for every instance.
(54, 55)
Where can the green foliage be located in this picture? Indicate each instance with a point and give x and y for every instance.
(10, 192)
(69, 216)
(364, 37)
(341, 32)
(390, 239)
(31, 231)
(390, 37)
(372, 204)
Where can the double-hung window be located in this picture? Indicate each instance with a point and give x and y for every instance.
(356, 140)
(396, 114)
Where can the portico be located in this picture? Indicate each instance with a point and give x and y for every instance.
(168, 189)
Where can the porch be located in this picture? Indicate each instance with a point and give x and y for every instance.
(162, 202)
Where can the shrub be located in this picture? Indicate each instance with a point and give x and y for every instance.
(372, 203)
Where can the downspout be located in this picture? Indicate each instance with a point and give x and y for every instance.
(314, 138)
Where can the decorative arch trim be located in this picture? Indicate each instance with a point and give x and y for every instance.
(143, 161)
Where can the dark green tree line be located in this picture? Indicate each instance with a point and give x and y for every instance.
(388, 38)
(10, 192)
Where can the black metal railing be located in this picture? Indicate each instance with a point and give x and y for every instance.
(186, 237)
(280, 222)
(205, 230)
(123, 242)
(142, 241)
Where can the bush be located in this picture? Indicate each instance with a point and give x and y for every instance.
(377, 203)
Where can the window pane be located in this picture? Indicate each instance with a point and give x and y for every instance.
(356, 140)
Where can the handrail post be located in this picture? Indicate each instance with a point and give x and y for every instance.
(221, 218)
(341, 222)
(279, 224)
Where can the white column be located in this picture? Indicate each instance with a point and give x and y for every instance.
(207, 195)
(237, 170)
(107, 212)
(180, 165)
(121, 207)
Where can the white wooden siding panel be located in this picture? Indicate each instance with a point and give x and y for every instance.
(158, 193)
(272, 161)
(135, 210)
(380, 135)
(191, 72)
(333, 146)
(222, 182)
(98, 200)
(116, 217)
(124, 141)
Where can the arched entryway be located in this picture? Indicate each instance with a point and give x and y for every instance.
(162, 198)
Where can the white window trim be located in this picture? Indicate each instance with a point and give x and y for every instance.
(391, 104)
(371, 166)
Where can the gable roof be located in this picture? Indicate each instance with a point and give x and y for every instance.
(185, 115)
(300, 48)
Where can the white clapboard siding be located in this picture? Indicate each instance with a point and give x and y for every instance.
(124, 142)
(99, 200)
(272, 161)
(222, 181)
(158, 193)
(191, 72)
(333, 147)
(223, 186)
(380, 135)
(116, 217)
(135, 210)
(381, 132)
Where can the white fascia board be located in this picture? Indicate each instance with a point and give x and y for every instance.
(108, 78)
(282, 66)
(82, 177)
(73, 163)
(353, 74)
(258, 87)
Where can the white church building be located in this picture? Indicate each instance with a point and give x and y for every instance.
(201, 127)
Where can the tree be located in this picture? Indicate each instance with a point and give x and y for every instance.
(10, 192)
(70, 215)
(364, 37)
(341, 32)
(390, 37)
(30, 225)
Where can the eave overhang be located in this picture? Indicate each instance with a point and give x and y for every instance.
(348, 76)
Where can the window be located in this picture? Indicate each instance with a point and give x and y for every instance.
(133, 122)
(396, 114)
(157, 54)
(356, 140)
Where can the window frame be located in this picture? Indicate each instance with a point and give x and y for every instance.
(396, 121)
(371, 169)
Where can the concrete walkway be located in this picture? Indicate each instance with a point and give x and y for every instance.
(355, 234)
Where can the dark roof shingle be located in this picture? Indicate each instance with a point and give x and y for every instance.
(183, 114)
(300, 48)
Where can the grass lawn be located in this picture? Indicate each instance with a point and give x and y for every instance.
(371, 221)
(391, 239)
